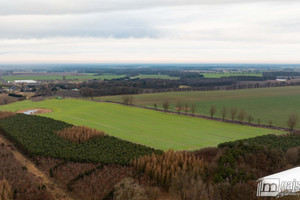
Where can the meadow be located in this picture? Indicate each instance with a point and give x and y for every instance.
(274, 103)
(60, 77)
(227, 74)
(155, 76)
(151, 128)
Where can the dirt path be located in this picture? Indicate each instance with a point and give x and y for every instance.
(53, 188)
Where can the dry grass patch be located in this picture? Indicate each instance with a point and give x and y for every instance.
(5, 114)
(79, 134)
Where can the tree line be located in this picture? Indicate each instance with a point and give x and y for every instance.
(232, 113)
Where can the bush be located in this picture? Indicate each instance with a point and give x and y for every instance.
(79, 134)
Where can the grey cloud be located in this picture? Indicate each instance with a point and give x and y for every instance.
(54, 7)
(123, 25)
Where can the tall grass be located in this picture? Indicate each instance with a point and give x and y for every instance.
(79, 134)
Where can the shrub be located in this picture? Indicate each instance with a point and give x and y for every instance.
(79, 134)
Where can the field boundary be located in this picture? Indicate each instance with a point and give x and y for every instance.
(199, 116)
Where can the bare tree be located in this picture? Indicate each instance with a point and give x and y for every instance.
(292, 121)
(193, 109)
(166, 105)
(270, 123)
(250, 119)
(212, 110)
(125, 99)
(233, 112)
(186, 107)
(131, 99)
(179, 106)
(5, 100)
(258, 121)
(224, 112)
(242, 115)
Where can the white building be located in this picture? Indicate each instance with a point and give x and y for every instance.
(25, 81)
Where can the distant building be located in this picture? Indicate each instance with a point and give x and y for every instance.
(281, 79)
(25, 81)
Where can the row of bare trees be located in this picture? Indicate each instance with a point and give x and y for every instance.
(233, 113)
(242, 115)
(186, 107)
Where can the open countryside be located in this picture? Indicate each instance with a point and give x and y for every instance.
(60, 77)
(152, 128)
(228, 74)
(267, 104)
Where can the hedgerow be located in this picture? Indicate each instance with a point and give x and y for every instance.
(36, 135)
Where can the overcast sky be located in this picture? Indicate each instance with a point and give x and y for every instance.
(144, 31)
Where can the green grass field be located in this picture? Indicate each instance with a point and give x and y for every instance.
(265, 103)
(219, 75)
(152, 128)
(60, 77)
(153, 76)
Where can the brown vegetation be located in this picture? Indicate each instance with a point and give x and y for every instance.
(5, 114)
(233, 112)
(128, 100)
(128, 189)
(224, 113)
(166, 105)
(24, 184)
(6, 192)
(79, 134)
(292, 121)
(212, 111)
(163, 167)
(100, 183)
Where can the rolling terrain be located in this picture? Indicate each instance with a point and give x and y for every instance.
(151, 128)
(274, 103)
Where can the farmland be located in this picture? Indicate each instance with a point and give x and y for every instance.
(227, 74)
(155, 76)
(151, 128)
(60, 77)
(265, 103)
